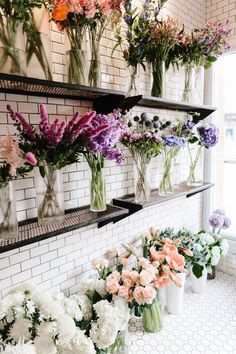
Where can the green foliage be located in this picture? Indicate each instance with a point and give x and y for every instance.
(197, 270)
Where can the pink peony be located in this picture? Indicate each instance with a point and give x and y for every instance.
(144, 295)
(112, 286)
(30, 158)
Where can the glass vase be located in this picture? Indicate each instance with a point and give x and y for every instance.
(97, 184)
(75, 55)
(153, 315)
(12, 47)
(166, 187)
(38, 45)
(189, 83)
(142, 188)
(50, 196)
(195, 174)
(133, 86)
(8, 218)
(158, 79)
(94, 77)
(121, 345)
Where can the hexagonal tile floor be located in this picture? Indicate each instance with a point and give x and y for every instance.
(206, 325)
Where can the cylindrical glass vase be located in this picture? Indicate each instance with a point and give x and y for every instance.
(75, 55)
(94, 77)
(153, 315)
(195, 175)
(166, 186)
(50, 196)
(158, 79)
(133, 84)
(38, 45)
(121, 344)
(12, 47)
(97, 189)
(189, 83)
(142, 188)
(8, 218)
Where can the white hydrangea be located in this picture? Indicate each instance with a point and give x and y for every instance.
(79, 344)
(104, 332)
(224, 247)
(72, 308)
(91, 285)
(21, 329)
(8, 303)
(49, 308)
(66, 329)
(20, 348)
(215, 255)
(206, 239)
(122, 311)
(85, 305)
(45, 345)
(197, 247)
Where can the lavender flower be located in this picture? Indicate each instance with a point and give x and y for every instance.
(227, 223)
(21, 123)
(209, 135)
(216, 221)
(174, 141)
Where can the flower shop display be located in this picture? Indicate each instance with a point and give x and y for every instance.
(201, 48)
(13, 163)
(102, 136)
(163, 36)
(143, 142)
(135, 39)
(170, 247)
(204, 136)
(55, 146)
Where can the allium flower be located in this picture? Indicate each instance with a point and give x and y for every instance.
(209, 135)
(216, 221)
(219, 211)
(227, 223)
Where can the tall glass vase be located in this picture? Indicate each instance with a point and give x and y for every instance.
(38, 45)
(133, 85)
(158, 79)
(142, 188)
(94, 78)
(50, 196)
(195, 174)
(12, 47)
(166, 187)
(153, 315)
(8, 218)
(189, 83)
(121, 345)
(97, 183)
(76, 67)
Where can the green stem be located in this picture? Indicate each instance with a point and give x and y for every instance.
(193, 165)
(158, 74)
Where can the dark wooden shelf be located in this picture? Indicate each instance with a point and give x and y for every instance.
(182, 190)
(162, 103)
(30, 231)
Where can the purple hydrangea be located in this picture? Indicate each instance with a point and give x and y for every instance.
(174, 141)
(227, 223)
(209, 135)
(216, 221)
(188, 125)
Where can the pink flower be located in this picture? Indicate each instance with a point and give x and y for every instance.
(112, 286)
(146, 277)
(30, 158)
(169, 248)
(176, 279)
(114, 276)
(161, 281)
(175, 261)
(10, 153)
(187, 252)
(144, 295)
(123, 291)
(157, 255)
(124, 260)
(143, 262)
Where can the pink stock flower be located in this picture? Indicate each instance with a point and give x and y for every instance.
(144, 295)
(30, 158)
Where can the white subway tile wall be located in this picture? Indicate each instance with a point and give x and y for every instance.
(62, 261)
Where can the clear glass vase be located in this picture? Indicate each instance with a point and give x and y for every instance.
(121, 345)
(133, 85)
(38, 45)
(8, 218)
(158, 79)
(166, 187)
(189, 83)
(142, 188)
(97, 184)
(50, 196)
(94, 77)
(12, 47)
(75, 55)
(195, 175)
(153, 315)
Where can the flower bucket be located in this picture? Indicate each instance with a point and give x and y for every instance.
(199, 284)
(175, 295)
(8, 218)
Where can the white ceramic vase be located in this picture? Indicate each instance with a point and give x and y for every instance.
(175, 295)
(199, 284)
